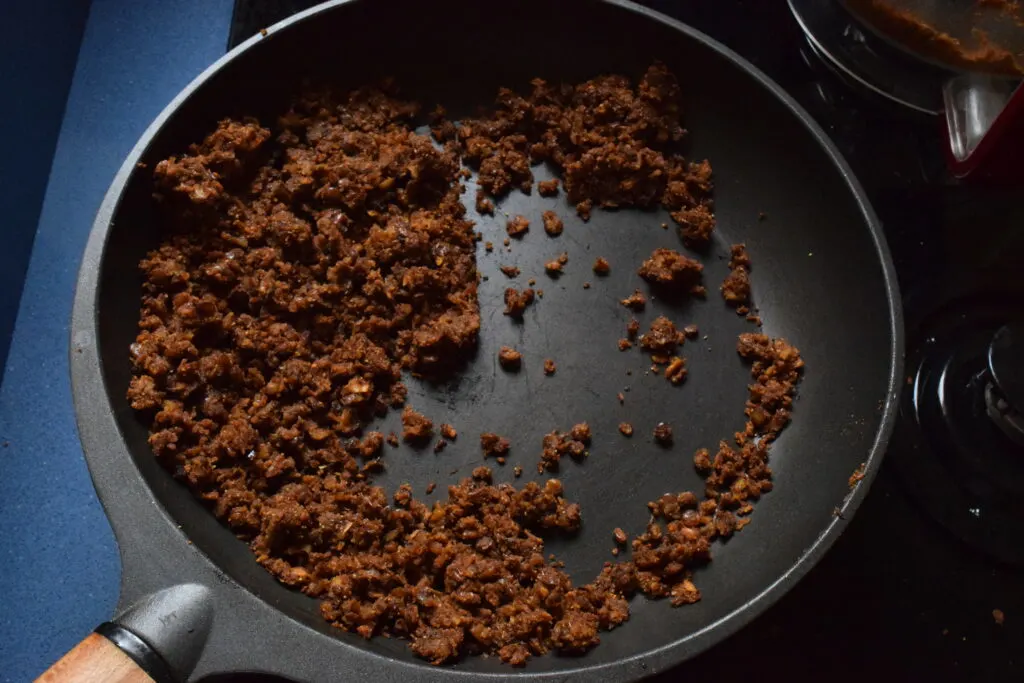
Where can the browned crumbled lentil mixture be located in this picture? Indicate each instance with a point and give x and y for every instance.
(663, 433)
(494, 445)
(448, 432)
(635, 301)
(675, 371)
(305, 266)
(736, 286)
(549, 367)
(625, 344)
(673, 271)
(509, 271)
(625, 427)
(509, 358)
(517, 226)
(556, 444)
(691, 331)
(601, 266)
(552, 223)
(516, 301)
(415, 426)
(662, 338)
(615, 144)
(554, 266)
(632, 328)
(548, 188)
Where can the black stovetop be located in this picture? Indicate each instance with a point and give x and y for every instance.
(899, 597)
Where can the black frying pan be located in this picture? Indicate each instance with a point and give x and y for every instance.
(193, 600)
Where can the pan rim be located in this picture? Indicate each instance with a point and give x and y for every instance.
(88, 388)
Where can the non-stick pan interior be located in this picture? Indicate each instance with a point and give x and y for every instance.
(817, 273)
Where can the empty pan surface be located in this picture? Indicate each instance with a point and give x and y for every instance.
(822, 279)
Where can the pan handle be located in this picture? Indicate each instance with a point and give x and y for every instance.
(158, 639)
(100, 658)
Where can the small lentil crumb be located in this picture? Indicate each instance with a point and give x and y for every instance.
(448, 432)
(509, 358)
(625, 427)
(430, 488)
(625, 344)
(620, 536)
(489, 246)
(663, 433)
(517, 227)
(601, 266)
(549, 367)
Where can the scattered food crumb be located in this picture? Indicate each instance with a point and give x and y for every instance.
(489, 246)
(552, 223)
(621, 396)
(549, 367)
(510, 271)
(625, 427)
(531, 282)
(620, 536)
(548, 188)
(635, 301)
(484, 205)
(392, 440)
(263, 32)
(517, 227)
(691, 331)
(625, 344)
(615, 552)
(662, 338)
(554, 267)
(601, 266)
(857, 475)
(506, 241)
(586, 285)
(556, 444)
(448, 432)
(415, 426)
(509, 358)
(584, 208)
(998, 616)
(676, 370)
(516, 301)
(672, 270)
(664, 226)
(663, 433)
(494, 445)
(517, 471)
(736, 286)
(440, 445)
(632, 327)
(430, 487)
(761, 215)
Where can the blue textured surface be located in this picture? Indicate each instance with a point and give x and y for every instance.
(34, 76)
(58, 563)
